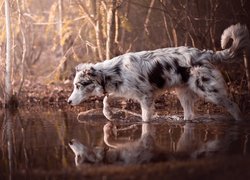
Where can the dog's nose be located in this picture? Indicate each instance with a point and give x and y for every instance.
(71, 142)
(69, 101)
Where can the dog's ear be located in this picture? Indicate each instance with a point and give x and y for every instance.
(79, 159)
(93, 74)
(90, 72)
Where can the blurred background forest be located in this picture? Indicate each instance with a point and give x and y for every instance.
(49, 37)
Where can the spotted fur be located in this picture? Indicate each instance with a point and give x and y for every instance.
(144, 75)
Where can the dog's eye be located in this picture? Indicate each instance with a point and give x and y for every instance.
(77, 86)
(86, 83)
(83, 84)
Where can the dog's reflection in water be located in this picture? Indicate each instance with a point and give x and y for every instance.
(140, 151)
(197, 146)
(189, 146)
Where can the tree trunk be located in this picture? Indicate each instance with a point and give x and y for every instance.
(247, 68)
(96, 23)
(95, 5)
(170, 42)
(175, 37)
(146, 23)
(24, 48)
(110, 30)
(8, 86)
(60, 24)
(98, 31)
(147, 17)
(60, 30)
(116, 27)
(186, 23)
(123, 32)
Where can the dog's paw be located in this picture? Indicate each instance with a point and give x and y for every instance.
(176, 118)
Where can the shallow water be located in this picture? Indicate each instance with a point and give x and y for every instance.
(34, 141)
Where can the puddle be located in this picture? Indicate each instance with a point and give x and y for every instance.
(33, 142)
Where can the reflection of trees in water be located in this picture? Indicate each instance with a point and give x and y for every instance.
(30, 141)
(37, 140)
(212, 140)
(245, 142)
(14, 141)
(7, 141)
(61, 129)
(9, 138)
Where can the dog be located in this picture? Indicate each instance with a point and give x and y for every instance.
(123, 150)
(144, 75)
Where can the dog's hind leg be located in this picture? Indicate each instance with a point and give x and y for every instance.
(187, 99)
(210, 85)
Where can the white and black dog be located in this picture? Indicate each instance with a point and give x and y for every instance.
(144, 75)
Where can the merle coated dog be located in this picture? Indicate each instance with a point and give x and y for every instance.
(144, 75)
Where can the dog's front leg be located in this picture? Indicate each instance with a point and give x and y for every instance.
(107, 109)
(147, 108)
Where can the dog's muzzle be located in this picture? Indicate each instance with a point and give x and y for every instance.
(69, 101)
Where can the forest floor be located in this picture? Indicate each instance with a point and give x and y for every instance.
(55, 95)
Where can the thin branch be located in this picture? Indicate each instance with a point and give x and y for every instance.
(85, 10)
(23, 47)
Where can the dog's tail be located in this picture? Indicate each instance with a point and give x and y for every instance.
(240, 40)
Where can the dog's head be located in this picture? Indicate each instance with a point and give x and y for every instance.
(86, 83)
(84, 154)
(78, 150)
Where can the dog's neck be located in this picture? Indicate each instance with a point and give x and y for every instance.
(109, 78)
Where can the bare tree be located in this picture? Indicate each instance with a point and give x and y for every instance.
(247, 68)
(110, 29)
(60, 30)
(146, 22)
(123, 32)
(24, 48)
(94, 18)
(8, 86)
(166, 26)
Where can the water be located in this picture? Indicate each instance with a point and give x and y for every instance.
(36, 142)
